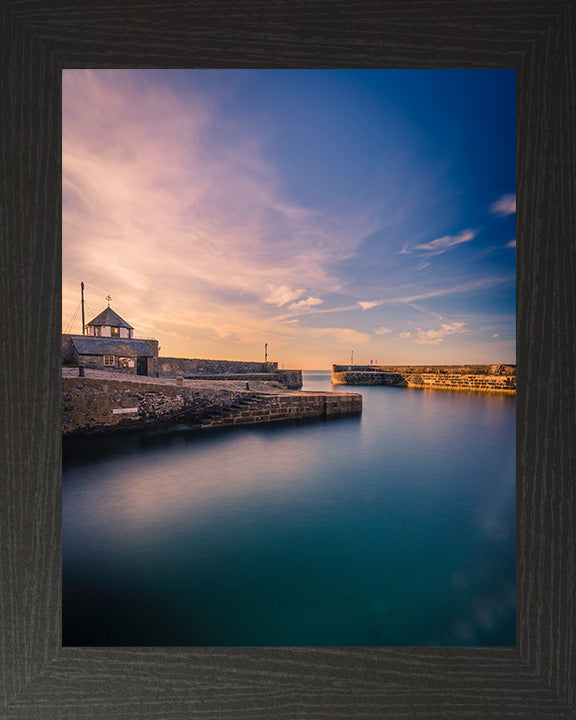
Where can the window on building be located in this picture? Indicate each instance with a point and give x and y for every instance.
(108, 359)
(115, 332)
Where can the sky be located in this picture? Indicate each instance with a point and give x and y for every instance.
(320, 212)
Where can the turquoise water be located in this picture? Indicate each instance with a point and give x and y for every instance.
(393, 528)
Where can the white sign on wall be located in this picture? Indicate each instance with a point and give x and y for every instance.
(120, 411)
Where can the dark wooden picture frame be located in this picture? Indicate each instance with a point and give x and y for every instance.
(40, 679)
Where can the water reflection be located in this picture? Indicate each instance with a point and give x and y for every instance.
(395, 528)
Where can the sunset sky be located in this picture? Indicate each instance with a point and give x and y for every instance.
(318, 211)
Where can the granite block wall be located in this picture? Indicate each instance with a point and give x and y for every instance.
(92, 405)
(169, 366)
(493, 383)
(95, 405)
(448, 377)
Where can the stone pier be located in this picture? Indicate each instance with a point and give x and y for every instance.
(102, 401)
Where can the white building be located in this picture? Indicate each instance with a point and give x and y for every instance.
(109, 324)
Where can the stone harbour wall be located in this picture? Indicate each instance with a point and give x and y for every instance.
(438, 369)
(168, 366)
(279, 408)
(292, 379)
(92, 405)
(486, 378)
(493, 383)
(366, 378)
(227, 369)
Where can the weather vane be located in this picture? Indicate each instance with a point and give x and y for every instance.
(108, 298)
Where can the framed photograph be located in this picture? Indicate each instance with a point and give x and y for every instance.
(486, 669)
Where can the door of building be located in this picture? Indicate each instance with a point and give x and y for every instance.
(142, 366)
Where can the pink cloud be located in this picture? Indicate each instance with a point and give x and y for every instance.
(506, 205)
(440, 245)
(435, 336)
(194, 237)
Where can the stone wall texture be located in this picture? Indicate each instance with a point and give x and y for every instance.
(442, 377)
(360, 377)
(220, 369)
(453, 381)
(88, 404)
(94, 405)
(152, 345)
(292, 379)
(438, 369)
(309, 406)
(67, 348)
(97, 362)
(168, 366)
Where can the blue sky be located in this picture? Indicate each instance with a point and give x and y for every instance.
(318, 211)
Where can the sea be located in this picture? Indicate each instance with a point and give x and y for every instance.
(392, 528)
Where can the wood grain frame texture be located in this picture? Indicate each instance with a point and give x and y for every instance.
(40, 679)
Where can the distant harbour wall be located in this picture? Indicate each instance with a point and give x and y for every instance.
(360, 377)
(91, 405)
(227, 369)
(169, 366)
(445, 377)
(486, 383)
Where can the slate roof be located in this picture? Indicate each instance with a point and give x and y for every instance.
(111, 346)
(109, 317)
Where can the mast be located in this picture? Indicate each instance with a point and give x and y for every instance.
(83, 322)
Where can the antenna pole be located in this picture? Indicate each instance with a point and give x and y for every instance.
(265, 352)
(83, 322)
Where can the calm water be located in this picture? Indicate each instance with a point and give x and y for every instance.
(393, 528)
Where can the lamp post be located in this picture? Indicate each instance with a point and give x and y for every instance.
(83, 321)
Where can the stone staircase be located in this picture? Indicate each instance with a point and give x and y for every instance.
(240, 409)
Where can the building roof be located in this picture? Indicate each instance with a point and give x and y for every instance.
(111, 346)
(109, 317)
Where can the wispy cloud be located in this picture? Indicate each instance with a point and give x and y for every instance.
(367, 304)
(305, 304)
(506, 205)
(440, 245)
(383, 331)
(348, 335)
(314, 311)
(163, 217)
(481, 284)
(434, 336)
(404, 250)
(282, 295)
(511, 244)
